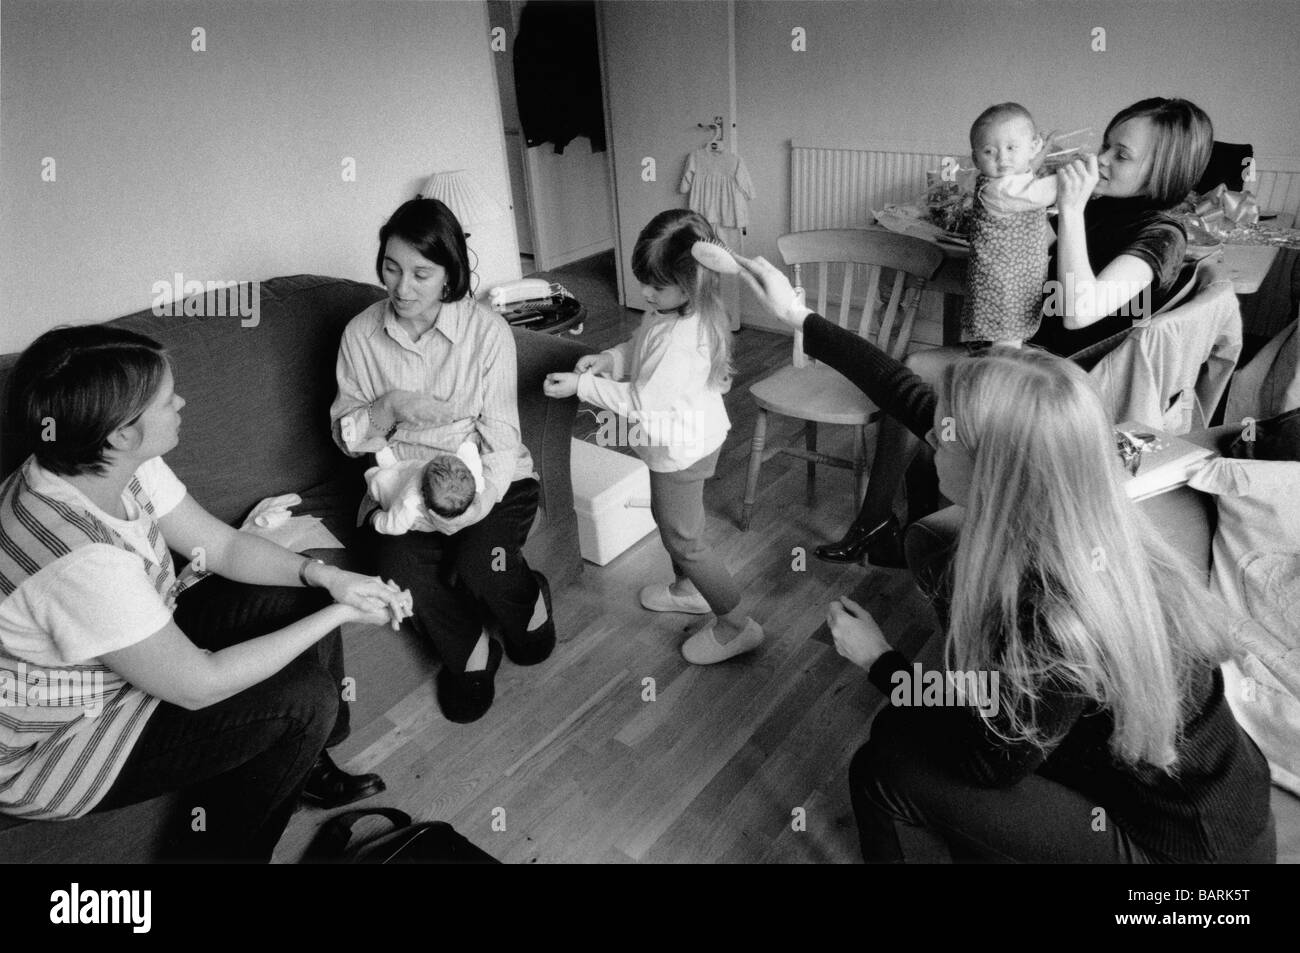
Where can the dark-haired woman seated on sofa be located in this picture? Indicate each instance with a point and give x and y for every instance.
(422, 371)
(1095, 728)
(228, 691)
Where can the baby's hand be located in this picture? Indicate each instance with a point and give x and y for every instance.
(595, 363)
(560, 385)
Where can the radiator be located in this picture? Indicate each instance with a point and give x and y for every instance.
(839, 188)
(834, 187)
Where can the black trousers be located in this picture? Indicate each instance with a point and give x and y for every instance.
(462, 581)
(241, 763)
(911, 808)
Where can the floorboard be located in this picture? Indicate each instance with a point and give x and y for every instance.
(615, 750)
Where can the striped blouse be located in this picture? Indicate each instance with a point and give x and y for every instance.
(75, 584)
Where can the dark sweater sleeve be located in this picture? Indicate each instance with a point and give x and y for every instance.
(960, 735)
(886, 382)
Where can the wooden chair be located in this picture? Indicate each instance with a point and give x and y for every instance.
(815, 393)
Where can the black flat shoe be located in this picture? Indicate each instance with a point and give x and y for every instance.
(882, 546)
(466, 696)
(328, 785)
(537, 644)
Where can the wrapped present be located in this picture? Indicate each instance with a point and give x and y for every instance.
(1217, 215)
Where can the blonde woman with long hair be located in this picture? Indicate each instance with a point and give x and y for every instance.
(1089, 722)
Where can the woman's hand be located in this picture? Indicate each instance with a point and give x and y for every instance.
(414, 407)
(1075, 184)
(857, 637)
(375, 614)
(773, 288)
(560, 384)
(377, 601)
(595, 363)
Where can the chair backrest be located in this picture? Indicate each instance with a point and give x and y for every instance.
(1227, 165)
(1171, 371)
(887, 313)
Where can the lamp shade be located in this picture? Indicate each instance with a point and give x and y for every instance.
(461, 193)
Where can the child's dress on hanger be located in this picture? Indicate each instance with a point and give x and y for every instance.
(719, 186)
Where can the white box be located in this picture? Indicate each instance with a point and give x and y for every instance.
(611, 495)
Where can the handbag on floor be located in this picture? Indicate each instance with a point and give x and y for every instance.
(429, 842)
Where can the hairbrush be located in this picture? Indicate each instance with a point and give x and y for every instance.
(715, 256)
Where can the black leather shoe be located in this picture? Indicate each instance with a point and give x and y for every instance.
(328, 785)
(466, 696)
(537, 644)
(882, 546)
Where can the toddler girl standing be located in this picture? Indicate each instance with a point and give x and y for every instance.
(1009, 233)
(668, 381)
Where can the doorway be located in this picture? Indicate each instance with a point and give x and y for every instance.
(561, 193)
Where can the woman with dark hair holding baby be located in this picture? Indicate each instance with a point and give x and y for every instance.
(228, 691)
(421, 372)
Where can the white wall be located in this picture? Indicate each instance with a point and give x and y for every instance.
(907, 71)
(573, 206)
(226, 164)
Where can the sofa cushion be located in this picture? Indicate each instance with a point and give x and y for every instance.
(257, 420)
(257, 424)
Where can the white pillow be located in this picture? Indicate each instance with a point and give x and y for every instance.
(1259, 512)
(1256, 569)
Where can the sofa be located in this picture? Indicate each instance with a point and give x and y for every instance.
(256, 424)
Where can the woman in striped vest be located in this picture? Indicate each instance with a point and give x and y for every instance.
(104, 699)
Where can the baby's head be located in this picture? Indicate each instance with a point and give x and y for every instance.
(447, 485)
(1004, 140)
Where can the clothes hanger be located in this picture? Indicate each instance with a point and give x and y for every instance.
(715, 144)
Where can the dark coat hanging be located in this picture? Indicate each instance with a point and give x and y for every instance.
(557, 74)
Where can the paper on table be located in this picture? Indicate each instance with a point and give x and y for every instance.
(299, 534)
(905, 223)
(1165, 461)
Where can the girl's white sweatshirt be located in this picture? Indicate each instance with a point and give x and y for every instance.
(674, 418)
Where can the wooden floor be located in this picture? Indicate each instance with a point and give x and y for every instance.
(617, 750)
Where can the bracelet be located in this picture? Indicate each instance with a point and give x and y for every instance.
(302, 571)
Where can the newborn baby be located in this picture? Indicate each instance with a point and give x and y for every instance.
(424, 495)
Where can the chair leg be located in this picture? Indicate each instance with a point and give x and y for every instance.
(810, 441)
(860, 464)
(755, 461)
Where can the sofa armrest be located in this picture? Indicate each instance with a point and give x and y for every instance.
(546, 426)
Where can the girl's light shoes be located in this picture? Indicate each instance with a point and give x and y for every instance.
(659, 598)
(703, 648)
